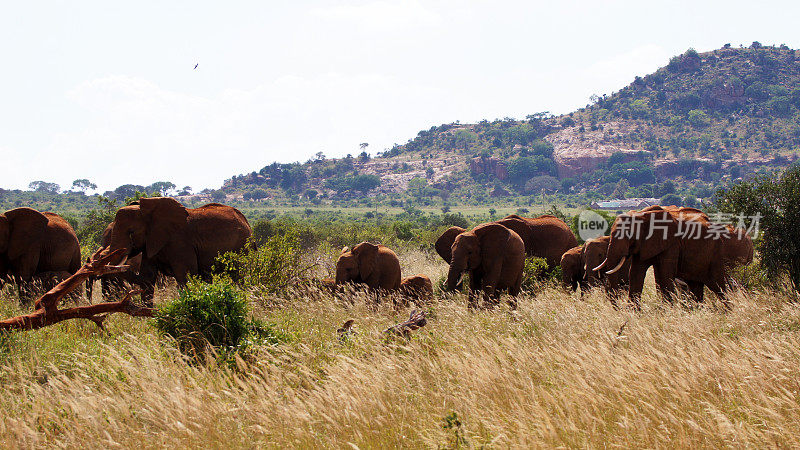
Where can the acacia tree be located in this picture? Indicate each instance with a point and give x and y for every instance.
(83, 185)
(44, 186)
(776, 203)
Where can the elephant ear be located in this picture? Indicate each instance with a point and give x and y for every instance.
(367, 256)
(445, 241)
(26, 231)
(163, 216)
(664, 232)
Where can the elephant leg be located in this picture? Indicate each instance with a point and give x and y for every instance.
(720, 289)
(637, 274)
(514, 291)
(697, 289)
(665, 270)
(489, 283)
(146, 280)
(474, 287)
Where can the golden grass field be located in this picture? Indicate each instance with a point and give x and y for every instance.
(558, 372)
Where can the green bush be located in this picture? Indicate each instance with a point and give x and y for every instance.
(211, 315)
(270, 267)
(776, 201)
(534, 271)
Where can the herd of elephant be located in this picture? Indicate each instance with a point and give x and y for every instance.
(160, 236)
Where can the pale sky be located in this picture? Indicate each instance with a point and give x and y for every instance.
(107, 91)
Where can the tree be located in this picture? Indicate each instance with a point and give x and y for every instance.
(44, 186)
(417, 186)
(775, 203)
(363, 146)
(698, 118)
(218, 196)
(186, 190)
(83, 185)
(164, 188)
(671, 199)
(127, 191)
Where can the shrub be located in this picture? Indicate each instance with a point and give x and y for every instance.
(533, 272)
(777, 201)
(214, 315)
(698, 118)
(271, 267)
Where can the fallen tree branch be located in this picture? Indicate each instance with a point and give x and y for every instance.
(47, 312)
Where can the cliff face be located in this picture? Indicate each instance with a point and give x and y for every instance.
(490, 166)
(579, 151)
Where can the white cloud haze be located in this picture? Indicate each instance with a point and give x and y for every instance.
(109, 93)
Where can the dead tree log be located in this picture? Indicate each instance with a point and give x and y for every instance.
(47, 312)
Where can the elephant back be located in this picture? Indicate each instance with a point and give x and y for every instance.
(217, 227)
(60, 250)
(547, 237)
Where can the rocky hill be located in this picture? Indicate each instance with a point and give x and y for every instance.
(701, 119)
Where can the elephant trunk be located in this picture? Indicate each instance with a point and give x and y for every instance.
(454, 274)
(341, 276)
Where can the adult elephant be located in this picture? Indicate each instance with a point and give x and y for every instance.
(376, 266)
(175, 240)
(494, 257)
(678, 243)
(114, 284)
(545, 237)
(35, 244)
(593, 253)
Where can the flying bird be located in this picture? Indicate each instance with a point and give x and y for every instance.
(195, 66)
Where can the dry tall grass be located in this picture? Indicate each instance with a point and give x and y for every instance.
(560, 371)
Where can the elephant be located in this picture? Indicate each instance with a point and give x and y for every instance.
(175, 240)
(377, 266)
(115, 283)
(572, 269)
(34, 244)
(494, 257)
(545, 237)
(679, 243)
(417, 287)
(593, 252)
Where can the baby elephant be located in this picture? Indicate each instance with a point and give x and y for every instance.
(417, 287)
(376, 266)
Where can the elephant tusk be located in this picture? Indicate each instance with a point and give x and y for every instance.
(619, 266)
(600, 266)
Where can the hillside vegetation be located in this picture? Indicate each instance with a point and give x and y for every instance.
(696, 124)
(700, 120)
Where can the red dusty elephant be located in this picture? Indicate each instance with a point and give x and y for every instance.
(677, 243)
(417, 287)
(114, 284)
(36, 245)
(377, 266)
(545, 237)
(572, 269)
(175, 240)
(494, 257)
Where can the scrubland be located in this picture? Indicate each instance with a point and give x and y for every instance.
(560, 371)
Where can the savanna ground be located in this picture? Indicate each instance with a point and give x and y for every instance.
(559, 371)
